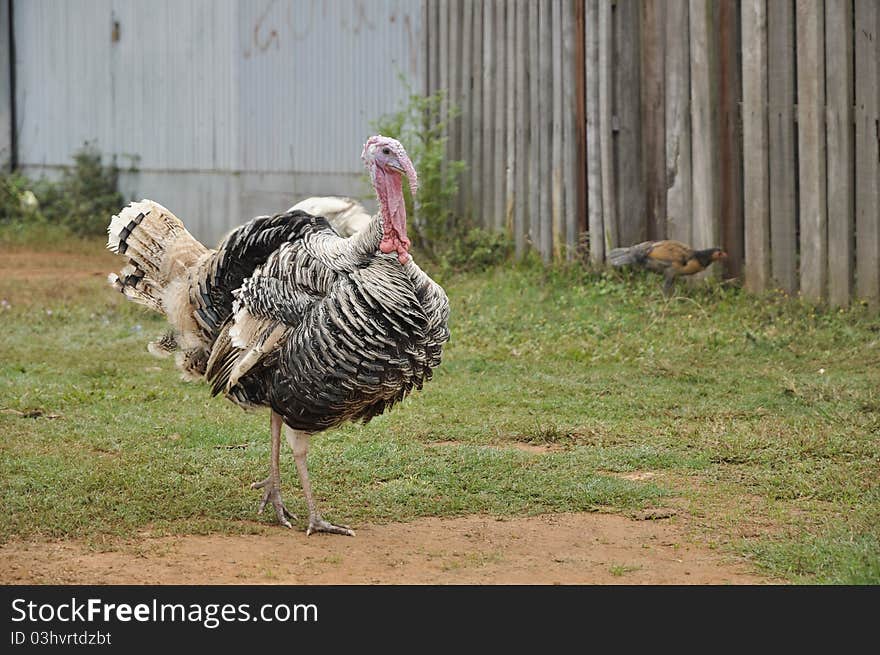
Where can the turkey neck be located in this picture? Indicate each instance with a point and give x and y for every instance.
(392, 213)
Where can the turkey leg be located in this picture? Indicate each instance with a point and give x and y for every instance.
(299, 443)
(272, 485)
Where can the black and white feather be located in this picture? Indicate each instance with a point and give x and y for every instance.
(329, 330)
(286, 313)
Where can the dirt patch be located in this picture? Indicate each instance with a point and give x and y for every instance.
(31, 279)
(635, 476)
(515, 445)
(550, 549)
(32, 264)
(527, 447)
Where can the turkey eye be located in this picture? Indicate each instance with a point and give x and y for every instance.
(386, 151)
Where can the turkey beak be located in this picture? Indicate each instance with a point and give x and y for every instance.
(394, 165)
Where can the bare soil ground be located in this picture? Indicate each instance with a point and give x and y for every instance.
(549, 549)
(30, 264)
(28, 277)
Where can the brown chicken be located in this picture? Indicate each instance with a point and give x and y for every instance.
(672, 258)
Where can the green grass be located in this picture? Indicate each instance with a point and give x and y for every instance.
(619, 570)
(758, 416)
(22, 235)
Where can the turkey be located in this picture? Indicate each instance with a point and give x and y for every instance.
(672, 258)
(286, 314)
(345, 215)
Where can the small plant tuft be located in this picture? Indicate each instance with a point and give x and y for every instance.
(479, 249)
(17, 201)
(80, 201)
(85, 197)
(442, 234)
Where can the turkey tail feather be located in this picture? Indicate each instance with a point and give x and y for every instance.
(240, 253)
(137, 289)
(158, 246)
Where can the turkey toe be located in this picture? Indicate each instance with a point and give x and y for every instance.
(317, 524)
(271, 494)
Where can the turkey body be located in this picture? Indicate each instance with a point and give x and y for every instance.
(356, 330)
(287, 314)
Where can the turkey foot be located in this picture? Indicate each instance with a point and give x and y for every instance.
(299, 443)
(317, 524)
(272, 494)
(272, 484)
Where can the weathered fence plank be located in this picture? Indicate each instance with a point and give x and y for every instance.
(580, 82)
(443, 56)
(534, 129)
(464, 124)
(545, 110)
(867, 94)
(679, 195)
(839, 140)
(556, 197)
(433, 30)
(810, 21)
(499, 124)
(455, 57)
(444, 73)
(704, 143)
(520, 222)
(422, 65)
(596, 228)
(630, 190)
(730, 139)
(510, 114)
(653, 117)
(756, 181)
(477, 126)
(606, 129)
(572, 114)
(781, 126)
(489, 84)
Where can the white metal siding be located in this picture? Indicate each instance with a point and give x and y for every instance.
(229, 107)
(313, 76)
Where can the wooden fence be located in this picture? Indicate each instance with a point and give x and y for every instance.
(750, 124)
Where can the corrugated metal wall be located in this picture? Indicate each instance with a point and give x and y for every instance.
(233, 108)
